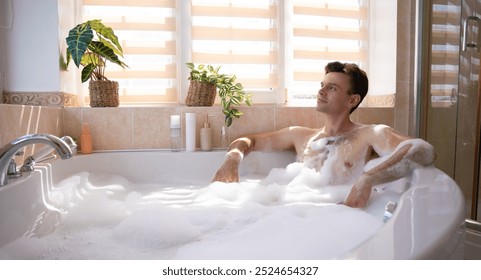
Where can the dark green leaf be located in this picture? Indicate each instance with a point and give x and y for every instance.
(78, 41)
(106, 52)
(87, 72)
(228, 121)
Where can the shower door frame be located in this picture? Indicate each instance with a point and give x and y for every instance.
(424, 65)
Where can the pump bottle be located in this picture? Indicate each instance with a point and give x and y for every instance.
(206, 136)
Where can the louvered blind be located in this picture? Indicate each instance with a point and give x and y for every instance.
(240, 35)
(324, 31)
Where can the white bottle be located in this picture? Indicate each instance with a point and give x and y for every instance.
(206, 136)
(190, 130)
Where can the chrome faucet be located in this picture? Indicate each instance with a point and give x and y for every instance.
(9, 150)
(42, 154)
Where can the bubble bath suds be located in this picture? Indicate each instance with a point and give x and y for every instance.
(284, 216)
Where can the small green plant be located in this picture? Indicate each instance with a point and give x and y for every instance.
(92, 52)
(230, 92)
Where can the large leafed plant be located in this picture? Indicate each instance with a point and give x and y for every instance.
(91, 44)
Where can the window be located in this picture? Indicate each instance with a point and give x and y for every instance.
(276, 48)
(240, 35)
(147, 30)
(340, 33)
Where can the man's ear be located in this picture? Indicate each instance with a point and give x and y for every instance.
(355, 99)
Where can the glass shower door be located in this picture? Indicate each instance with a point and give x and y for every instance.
(452, 109)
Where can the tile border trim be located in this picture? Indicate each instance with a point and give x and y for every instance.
(51, 98)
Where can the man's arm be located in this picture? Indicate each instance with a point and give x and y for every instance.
(290, 138)
(406, 154)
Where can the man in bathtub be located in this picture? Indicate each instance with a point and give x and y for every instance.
(342, 147)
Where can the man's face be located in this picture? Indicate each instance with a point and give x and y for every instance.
(334, 97)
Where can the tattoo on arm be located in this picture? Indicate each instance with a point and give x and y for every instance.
(391, 161)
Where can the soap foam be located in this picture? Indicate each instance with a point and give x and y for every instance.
(284, 216)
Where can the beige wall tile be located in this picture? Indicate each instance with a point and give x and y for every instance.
(19, 120)
(48, 120)
(291, 116)
(255, 119)
(73, 121)
(111, 127)
(14, 122)
(402, 113)
(375, 116)
(151, 127)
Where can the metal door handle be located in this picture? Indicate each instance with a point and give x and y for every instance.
(464, 44)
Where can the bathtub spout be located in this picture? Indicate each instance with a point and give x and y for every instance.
(9, 150)
(42, 154)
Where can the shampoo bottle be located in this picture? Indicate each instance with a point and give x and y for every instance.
(86, 139)
(206, 136)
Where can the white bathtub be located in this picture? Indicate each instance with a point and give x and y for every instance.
(428, 222)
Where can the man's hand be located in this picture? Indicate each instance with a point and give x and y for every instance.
(360, 193)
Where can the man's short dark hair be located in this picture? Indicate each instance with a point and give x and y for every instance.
(359, 80)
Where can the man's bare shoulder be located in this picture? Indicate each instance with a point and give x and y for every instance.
(302, 129)
(381, 136)
(373, 130)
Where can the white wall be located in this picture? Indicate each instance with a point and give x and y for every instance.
(68, 12)
(32, 46)
(5, 23)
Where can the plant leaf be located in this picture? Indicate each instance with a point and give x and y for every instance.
(236, 113)
(236, 100)
(105, 33)
(78, 41)
(87, 72)
(228, 121)
(248, 102)
(104, 51)
(90, 58)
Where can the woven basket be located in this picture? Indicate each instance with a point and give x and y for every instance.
(104, 93)
(201, 94)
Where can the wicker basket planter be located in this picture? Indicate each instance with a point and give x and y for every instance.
(201, 94)
(104, 93)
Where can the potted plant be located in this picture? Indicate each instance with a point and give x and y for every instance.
(206, 81)
(91, 44)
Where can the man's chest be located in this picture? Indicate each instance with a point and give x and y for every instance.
(338, 156)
